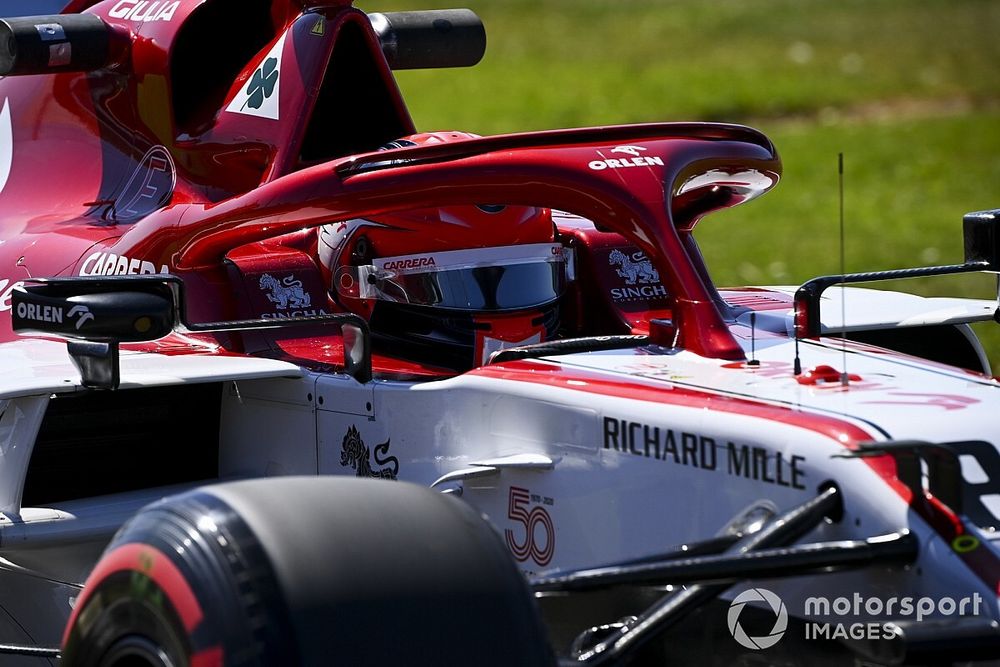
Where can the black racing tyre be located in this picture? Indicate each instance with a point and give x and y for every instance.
(306, 571)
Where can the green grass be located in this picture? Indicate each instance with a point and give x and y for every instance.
(908, 90)
(575, 62)
(907, 184)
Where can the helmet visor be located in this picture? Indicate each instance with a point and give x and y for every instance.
(482, 280)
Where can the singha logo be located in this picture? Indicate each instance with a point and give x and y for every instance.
(287, 294)
(355, 453)
(634, 269)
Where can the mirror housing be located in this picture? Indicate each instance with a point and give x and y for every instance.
(59, 43)
(431, 38)
(96, 313)
(134, 316)
(981, 231)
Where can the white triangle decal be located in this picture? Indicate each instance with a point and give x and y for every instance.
(260, 95)
(6, 144)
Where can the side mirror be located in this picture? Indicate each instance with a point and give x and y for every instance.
(96, 314)
(60, 43)
(141, 314)
(431, 38)
(981, 231)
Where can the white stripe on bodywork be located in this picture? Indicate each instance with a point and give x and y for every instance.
(6, 144)
(19, 423)
(33, 367)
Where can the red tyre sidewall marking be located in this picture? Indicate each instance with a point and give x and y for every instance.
(152, 563)
(209, 657)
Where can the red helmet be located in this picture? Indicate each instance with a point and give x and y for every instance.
(449, 286)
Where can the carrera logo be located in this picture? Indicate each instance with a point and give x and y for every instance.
(108, 264)
(287, 294)
(53, 314)
(143, 11)
(405, 264)
(637, 160)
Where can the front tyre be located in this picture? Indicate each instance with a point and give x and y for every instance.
(311, 571)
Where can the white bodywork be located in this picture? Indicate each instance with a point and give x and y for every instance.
(569, 456)
(853, 309)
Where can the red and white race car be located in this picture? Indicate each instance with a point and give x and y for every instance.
(232, 280)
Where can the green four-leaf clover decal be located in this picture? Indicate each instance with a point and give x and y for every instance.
(262, 83)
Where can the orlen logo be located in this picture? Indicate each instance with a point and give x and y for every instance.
(404, 264)
(53, 314)
(144, 11)
(637, 160)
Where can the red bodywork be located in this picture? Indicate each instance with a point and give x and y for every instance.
(140, 168)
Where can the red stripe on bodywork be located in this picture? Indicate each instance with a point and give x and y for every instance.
(982, 561)
(553, 375)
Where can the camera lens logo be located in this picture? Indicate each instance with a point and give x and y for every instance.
(780, 620)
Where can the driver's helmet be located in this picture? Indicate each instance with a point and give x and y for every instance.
(449, 286)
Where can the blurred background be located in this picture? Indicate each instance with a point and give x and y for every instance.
(907, 90)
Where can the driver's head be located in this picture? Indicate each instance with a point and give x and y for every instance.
(449, 286)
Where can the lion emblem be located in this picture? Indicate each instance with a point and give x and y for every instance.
(355, 453)
(636, 268)
(287, 294)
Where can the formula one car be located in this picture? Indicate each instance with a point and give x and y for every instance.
(235, 280)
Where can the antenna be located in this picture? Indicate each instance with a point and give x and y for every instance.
(843, 274)
(797, 366)
(753, 341)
